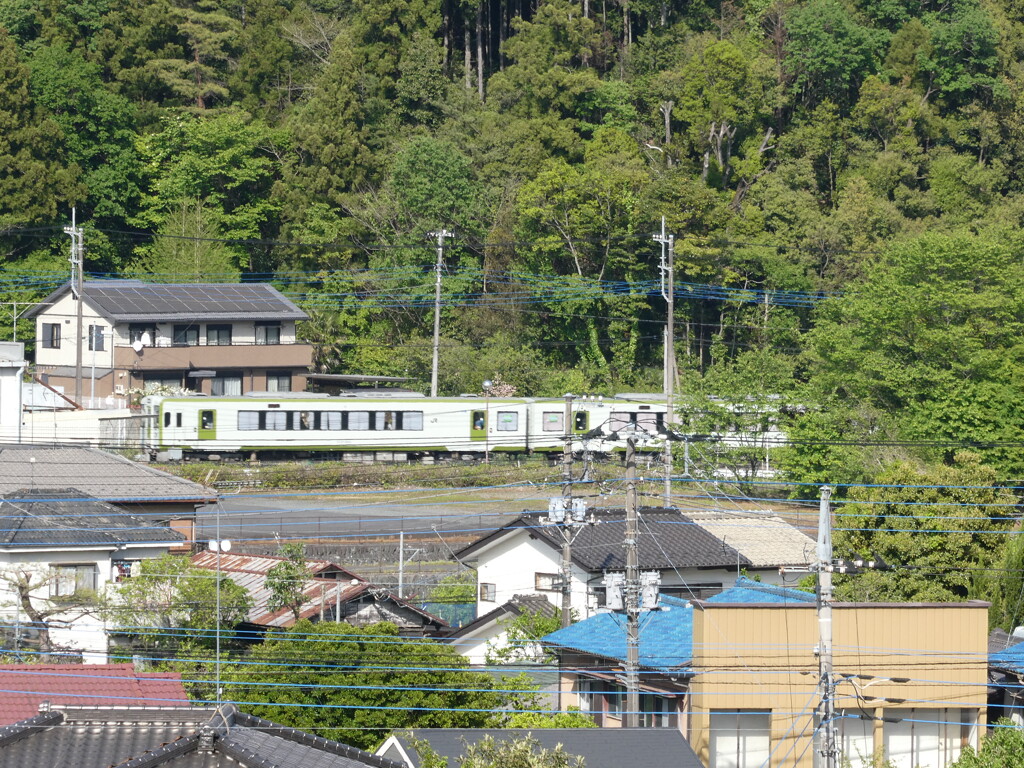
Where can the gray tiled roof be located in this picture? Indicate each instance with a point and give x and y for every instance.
(135, 301)
(95, 473)
(139, 737)
(48, 517)
(599, 747)
(668, 539)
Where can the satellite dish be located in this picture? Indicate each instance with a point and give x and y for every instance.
(137, 345)
(147, 340)
(225, 545)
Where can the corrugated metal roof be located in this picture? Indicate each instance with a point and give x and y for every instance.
(135, 301)
(26, 686)
(666, 635)
(97, 474)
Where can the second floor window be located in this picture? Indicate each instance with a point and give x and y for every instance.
(218, 335)
(51, 336)
(186, 335)
(96, 333)
(144, 333)
(268, 333)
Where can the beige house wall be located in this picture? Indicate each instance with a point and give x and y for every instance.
(762, 657)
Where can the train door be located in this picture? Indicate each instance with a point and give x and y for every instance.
(478, 425)
(207, 424)
(581, 422)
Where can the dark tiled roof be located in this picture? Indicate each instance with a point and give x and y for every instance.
(599, 747)
(98, 474)
(135, 301)
(25, 686)
(668, 539)
(140, 737)
(51, 517)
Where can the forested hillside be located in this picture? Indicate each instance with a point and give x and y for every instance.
(842, 178)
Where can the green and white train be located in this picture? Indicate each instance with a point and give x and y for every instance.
(393, 427)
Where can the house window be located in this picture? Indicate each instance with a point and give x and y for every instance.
(740, 739)
(69, 580)
(96, 333)
(218, 335)
(51, 336)
(547, 582)
(268, 332)
(186, 335)
(226, 386)
(279, 382)
(120, 570)
(553, 421)
(508, 421)
(144, 333)
(488, 593)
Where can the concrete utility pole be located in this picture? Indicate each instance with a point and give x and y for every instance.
(632, 714)
(828, 747)
(77, 280)
(567, 534)
(441, 236)
(668, 290)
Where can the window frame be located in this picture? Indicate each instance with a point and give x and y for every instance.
(488, 592)
(540, 578)
(185, 336)
(217, 331)
(96, 334)
(61, 572)
(51, 336)
(265, 326)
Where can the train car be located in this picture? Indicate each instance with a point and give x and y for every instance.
(399, 427)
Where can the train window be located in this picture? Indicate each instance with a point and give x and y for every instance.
(275, 420)
(177, 419)
(412, 420)
(553, 421)
(330, 420)
(508, 421)
(206, 419)
(303, 419)
(479, 420)
(384, 419)
(248, 421)
(167, 418)
(648, 421)
(581, 421)
(620, 420)
(359, 420)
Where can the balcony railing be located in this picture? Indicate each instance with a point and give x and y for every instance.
(297, 355)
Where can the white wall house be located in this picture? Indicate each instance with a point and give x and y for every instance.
(12, 368)
(697, 555)
(67, 545)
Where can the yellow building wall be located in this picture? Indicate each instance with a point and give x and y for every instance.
(762, 657)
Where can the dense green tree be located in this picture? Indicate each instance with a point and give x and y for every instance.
(286, 581)
(1001, 747)
(353, 683)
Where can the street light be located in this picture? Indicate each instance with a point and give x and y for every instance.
(487, 420)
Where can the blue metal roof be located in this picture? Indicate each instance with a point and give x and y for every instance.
(750, 591)
(666, 635)
(1010, 659)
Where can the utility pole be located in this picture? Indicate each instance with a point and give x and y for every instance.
(632, 714)
(441, 236)
(828, 748)
(567, 505)
(77, 280)
(668, 290)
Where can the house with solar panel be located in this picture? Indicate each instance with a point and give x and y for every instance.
(214, 338)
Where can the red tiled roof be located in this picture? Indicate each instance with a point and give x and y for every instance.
(23, 687)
